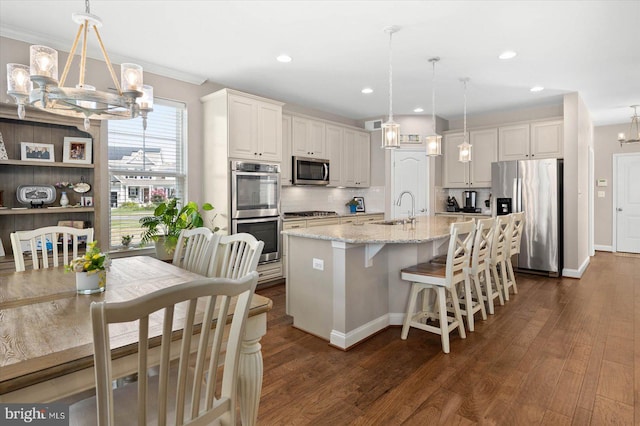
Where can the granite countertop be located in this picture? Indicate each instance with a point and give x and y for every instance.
(428, 228)
(464, 214)
(336, 216)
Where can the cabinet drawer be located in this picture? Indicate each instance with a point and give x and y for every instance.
(269, 271)
(322, 222)
(294, 224)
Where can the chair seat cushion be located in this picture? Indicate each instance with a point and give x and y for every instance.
(427, 269)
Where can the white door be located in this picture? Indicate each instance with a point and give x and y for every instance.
(410, 173)
(627, 203)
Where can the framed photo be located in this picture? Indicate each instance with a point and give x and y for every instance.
(32, 151)
(360, 206)
(86, 201)
(77, 150)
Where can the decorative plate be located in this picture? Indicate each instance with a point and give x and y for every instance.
(82, 187)
(36, 195)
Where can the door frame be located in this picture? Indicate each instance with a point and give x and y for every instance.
(614, 198)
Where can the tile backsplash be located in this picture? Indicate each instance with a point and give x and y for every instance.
(443, 193)
(301, 198)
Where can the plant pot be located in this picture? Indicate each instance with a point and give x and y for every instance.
(162, 251)
(87, 283)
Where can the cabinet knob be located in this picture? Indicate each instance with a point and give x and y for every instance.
(255, 153)
(260, 154)
(533, 155)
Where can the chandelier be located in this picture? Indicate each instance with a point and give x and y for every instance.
(132, 99)
(634, 129)
(464, 155)
(390, 129)
(434, 142)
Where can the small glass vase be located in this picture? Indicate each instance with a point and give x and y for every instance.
(352, 209)
(87, 283)
(64, 200)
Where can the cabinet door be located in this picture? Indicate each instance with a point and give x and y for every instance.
(349, 154)
(513, 142)
(483, 153)
(547, 139)
(242, 128)
(300, 133)
(317, 141)
(285, 166)
(362, 160)
(335, 136)
(269, 131)
(454, 172)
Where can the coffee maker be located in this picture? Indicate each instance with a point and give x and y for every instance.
(470, 198)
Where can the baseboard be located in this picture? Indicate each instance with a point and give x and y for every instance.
(346, 340)
(602, 248)
(576, 273)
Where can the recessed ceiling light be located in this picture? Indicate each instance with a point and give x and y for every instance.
(418, 110)
(537, 89)
(284, 58)
(507, 54)
(367, 90)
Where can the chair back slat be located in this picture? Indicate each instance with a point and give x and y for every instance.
(517, 225)
(482, 242)
(43, 241)
(195, 249)
(459, 252)
(200, 297)
(237, 255)
(499, 245)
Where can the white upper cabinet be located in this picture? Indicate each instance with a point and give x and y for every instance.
(254, 129)
(455, 173)
(484, 151)
(286, 165)
(349, 155)
(308, 138)
(362, 159)
(547, 139)
(544, 139)
(335, 152)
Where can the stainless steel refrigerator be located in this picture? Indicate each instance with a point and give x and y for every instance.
(535, 188)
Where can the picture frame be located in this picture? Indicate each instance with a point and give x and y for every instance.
(33, 151)
(86, 201)
(77, 150)
(360, 206)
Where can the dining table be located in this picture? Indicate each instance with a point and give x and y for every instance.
(46, 338)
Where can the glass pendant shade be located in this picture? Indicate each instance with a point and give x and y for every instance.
(390, 135)
(44, 61)
(131, 77)
(146, 100)
(464, 155)
(18, 80)
(434, 145)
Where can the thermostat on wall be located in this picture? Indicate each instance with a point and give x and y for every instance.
(601, 182)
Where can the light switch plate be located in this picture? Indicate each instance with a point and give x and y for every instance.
(600, 194)
(318, 264)
(601, 182)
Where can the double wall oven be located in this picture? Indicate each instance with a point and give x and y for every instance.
(255, 205)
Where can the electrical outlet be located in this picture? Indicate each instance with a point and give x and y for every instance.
(600, 194)
(318, 264)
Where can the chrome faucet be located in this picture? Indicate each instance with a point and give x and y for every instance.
(412, 217)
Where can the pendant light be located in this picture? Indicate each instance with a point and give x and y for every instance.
(434, 142)
(464, 155)
(634, 129)
(390, 130)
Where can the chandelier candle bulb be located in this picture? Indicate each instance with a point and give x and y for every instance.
(44, 61)
(131, 77)
(146, 100)
(18, 79)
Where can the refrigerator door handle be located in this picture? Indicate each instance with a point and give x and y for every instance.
(519, 202)
(517, 195)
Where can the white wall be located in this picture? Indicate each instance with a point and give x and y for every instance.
(605, 145)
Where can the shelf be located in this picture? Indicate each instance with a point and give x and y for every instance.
(45, 164)
(44, 210)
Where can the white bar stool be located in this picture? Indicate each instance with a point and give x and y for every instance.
(513, 248)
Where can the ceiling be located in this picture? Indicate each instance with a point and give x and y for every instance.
(339, 47)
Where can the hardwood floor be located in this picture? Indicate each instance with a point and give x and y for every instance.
(560, 352)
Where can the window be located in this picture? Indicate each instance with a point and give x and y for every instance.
(145, 167)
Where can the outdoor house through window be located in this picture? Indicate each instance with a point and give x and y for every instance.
(145, 168)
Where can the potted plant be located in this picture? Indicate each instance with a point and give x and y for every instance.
(126, 240)
(90, 269)
(352, 204)
(166, 223)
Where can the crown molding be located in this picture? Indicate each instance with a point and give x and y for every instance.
(63, 45)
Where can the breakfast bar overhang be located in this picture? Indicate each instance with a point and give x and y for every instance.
(343, 281)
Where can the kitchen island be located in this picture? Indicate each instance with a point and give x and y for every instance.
(343, 281)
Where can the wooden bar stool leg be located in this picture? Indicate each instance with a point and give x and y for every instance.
(413, 296)
(468, 303)
(505, 280)
(512, 276)
(496, 280)
(458, 315)
(478, 291)
(488, 291)
(444, 322)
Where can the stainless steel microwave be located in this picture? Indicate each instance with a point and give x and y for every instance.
(310, 171)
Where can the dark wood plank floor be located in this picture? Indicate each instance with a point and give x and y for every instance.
(561, 352)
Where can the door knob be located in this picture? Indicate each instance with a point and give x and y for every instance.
(423, 210)
(619, 209)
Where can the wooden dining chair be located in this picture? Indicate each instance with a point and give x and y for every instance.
(443, 280)
(190, 396)
(43, 242)
(194, 249)
(513, 249)
(236, 256)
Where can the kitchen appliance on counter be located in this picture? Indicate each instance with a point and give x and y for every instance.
(310, 171)
(255, 205)
(309, 213)
(452, 204)
(535, 188)
(470, 199)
